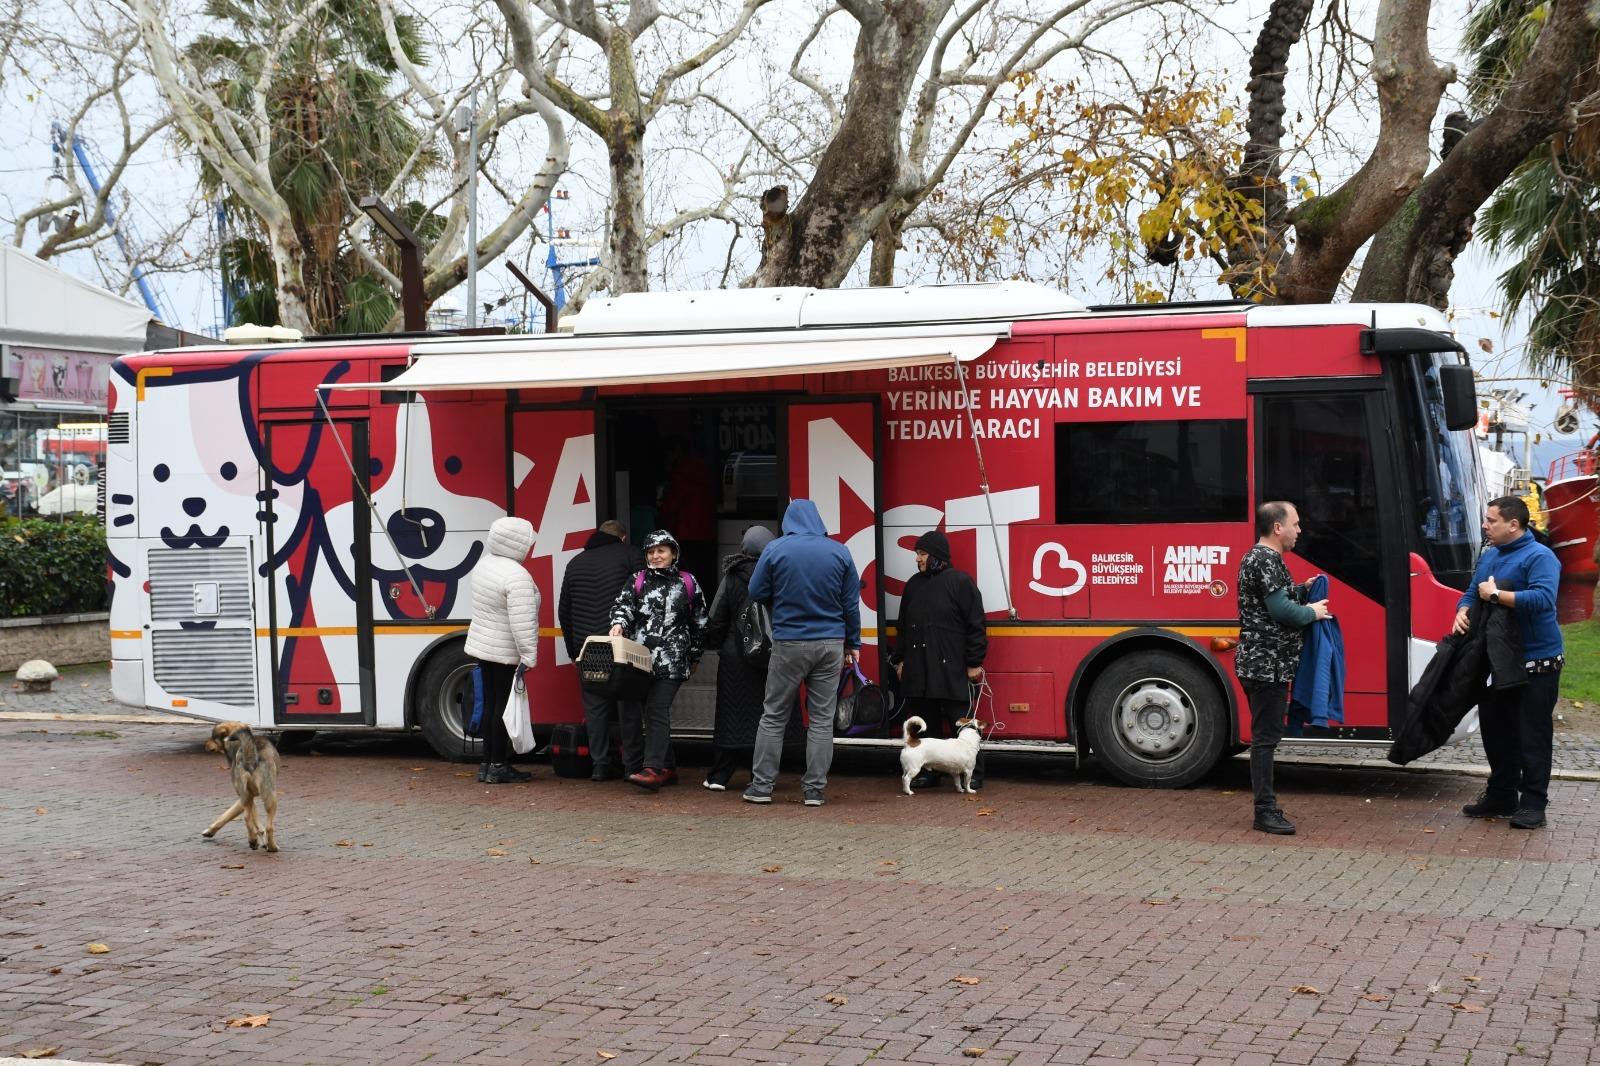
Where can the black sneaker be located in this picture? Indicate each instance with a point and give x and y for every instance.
(483, 772)
(927, 779)
(1271, 820)
(1527, 818)
(503, 774)
(1486, 806)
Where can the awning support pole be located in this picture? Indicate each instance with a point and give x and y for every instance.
(322, 402)
(983, 486)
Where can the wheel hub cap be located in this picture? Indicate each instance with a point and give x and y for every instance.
(1156, 718)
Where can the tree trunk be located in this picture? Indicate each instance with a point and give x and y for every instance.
(290, 274)
(630, 256)
(885, 245)
(858, 176)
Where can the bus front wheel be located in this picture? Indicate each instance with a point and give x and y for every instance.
(442, 702)
(1156, 720)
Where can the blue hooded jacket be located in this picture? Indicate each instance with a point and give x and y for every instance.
(809, 581)
(1530, 570)
(1319, 683)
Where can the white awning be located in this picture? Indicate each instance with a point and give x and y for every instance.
(549, 361)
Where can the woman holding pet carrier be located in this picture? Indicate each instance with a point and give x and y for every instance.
(943, 642)
(503, 637)
(663, 608)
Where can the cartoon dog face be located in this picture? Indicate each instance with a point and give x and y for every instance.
(438, 477)
(198, 479)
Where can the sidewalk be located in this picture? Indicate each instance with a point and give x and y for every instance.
(414, 915)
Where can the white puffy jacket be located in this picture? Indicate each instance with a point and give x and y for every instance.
(505, 601)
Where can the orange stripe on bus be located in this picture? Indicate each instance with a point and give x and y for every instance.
(127, 634)
(149, 372)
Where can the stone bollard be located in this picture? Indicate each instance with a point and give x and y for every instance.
(36, 675)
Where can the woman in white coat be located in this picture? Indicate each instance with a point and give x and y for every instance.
(503, 636)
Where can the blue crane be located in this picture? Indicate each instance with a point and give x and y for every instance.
(121, 227)
(556, 265)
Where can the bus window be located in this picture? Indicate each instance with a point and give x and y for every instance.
(1317, 454)
(1127, 472)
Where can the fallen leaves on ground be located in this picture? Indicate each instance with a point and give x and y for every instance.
(774, 868)
(233, 866)
(496, 853)
(41, 810)
(344, 843)
(1428, 830)
(1155, 902)
(963, 979)
(98, 948)
(1307, 990)
(39, 1052)
(606, 1054)
(249, 1021)
(836, 999)
(984, 812)
(533, 860)
(1474, 978)
(974, 1052)
(1467, 1008)
(1375, 997)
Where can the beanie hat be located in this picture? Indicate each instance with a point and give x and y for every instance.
(755, 539)
(935, 544)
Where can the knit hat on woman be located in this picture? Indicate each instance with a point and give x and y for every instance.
(935, 544)
(755, 539)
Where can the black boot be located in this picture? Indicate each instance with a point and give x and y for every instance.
(483, 772)
(502, 774)
(1271, 820)
(927, 779)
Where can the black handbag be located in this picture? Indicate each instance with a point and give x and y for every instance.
(752, 632)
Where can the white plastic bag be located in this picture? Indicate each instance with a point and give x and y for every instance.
(519, 722)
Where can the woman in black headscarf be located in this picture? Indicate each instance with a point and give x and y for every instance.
(741, 685)
(942, 643)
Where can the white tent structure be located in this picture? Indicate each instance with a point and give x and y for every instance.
(43, 307)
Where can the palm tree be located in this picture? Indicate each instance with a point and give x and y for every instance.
(1545, 216)
(336, 136)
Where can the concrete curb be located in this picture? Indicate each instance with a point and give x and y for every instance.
(1469, 769)
(116, 719)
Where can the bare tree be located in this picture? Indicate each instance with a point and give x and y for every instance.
(635, 70)
(888, 151)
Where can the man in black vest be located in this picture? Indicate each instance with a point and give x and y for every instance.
(592, 581)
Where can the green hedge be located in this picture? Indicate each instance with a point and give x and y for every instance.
(50, 566)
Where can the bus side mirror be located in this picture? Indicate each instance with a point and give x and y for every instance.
(1460, 396)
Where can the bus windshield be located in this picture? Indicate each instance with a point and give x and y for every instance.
(1447, 481)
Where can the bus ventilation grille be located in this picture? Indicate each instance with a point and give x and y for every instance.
(206, 664)
(211, 656)
(117, 429)
(175, 572)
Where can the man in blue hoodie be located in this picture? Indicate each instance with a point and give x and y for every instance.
(809, 583)
(1518, 725)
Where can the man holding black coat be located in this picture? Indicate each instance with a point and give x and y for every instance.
(590, 585)
(942, 644)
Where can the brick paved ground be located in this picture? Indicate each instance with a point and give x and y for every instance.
(1099, 924)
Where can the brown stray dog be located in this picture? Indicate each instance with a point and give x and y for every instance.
(253, 763)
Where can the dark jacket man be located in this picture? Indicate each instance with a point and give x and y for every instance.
(588, 589)
(592, 581)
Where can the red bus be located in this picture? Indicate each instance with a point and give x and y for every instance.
(292, 526)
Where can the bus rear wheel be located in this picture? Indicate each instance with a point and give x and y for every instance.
(442, 702)
(1156, 720)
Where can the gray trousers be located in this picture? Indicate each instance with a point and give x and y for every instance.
(817, 664)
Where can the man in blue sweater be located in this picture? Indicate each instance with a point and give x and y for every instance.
(1518, 726)
(811, 586)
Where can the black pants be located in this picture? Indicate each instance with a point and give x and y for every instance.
(604, 725)
(730, 761)
(1269, 706)
(1518, 737)
(497, 680)
(656, 714)
(942, 716)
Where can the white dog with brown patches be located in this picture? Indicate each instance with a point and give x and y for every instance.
(958, 757)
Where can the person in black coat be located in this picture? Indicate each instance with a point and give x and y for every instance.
(942, 643)
(590, 585)
(741, 686)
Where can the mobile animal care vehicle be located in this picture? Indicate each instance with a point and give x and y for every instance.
(292, 527)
